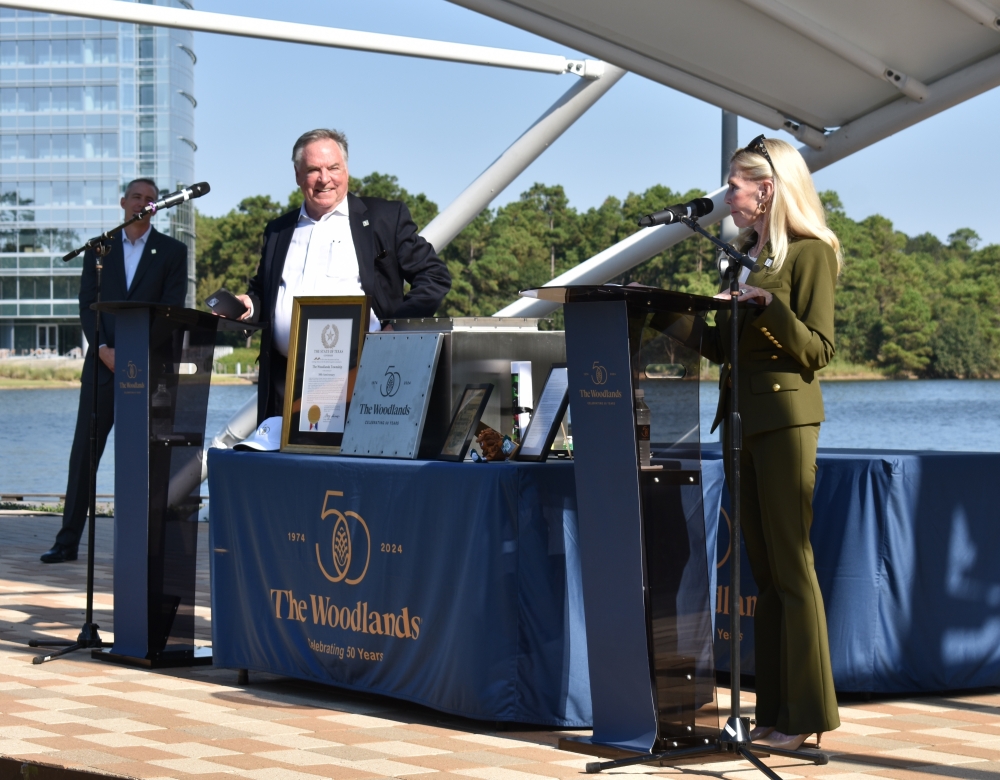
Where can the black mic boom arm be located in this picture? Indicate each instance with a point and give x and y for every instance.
(731, 252)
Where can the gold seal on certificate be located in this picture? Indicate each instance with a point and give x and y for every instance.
(324, 349)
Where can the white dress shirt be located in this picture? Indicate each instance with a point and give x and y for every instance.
(321, 260)
(133, 254)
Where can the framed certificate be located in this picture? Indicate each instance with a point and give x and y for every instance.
(537, 439)
(323, 353)
(463, 424)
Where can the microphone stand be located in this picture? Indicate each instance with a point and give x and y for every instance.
(735, 735)
(89, 636)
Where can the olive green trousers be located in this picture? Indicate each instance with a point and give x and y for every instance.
(794, 680)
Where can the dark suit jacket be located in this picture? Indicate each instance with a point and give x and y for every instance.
(160, 277)
(389, 252)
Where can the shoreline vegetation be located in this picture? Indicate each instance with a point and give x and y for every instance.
(7, 383)
(61, 373)
(21, 375)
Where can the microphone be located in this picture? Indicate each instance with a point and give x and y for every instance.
(693, 209)
(175, 198)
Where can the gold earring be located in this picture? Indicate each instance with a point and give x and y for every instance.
(763, 208)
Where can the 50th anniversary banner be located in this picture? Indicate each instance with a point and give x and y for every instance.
(348, 554)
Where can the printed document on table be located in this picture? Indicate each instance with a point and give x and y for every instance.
(544, 415)
(325, 368)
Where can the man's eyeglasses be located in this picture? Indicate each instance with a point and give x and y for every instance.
(757, 147)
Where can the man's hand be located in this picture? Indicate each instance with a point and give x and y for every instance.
(107, 356)
(245, 300)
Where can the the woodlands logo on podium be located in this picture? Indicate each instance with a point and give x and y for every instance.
(346, 558)
(599, 376)
(130, 385)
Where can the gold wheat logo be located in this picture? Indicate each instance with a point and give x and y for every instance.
(342, 544)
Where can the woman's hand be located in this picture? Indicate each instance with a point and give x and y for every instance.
(749, 293)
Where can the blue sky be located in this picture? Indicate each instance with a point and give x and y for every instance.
(437, 125)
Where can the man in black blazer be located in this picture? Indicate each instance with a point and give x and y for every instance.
(336, 244)
(143, 265)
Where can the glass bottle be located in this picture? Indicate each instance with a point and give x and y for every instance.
(642, 420)
(160, 404)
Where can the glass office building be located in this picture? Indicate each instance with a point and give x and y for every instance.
(85, 107)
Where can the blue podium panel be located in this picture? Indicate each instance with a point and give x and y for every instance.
(132, 484)
(904, 546)
(454, 585)
(645, 570)
(162, 376)
(600, 391)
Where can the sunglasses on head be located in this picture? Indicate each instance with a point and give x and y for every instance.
(757, 147)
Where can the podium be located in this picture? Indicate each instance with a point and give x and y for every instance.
(642, 530)
(163, 370)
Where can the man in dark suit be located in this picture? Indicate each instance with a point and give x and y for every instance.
(336, 244)
(143, 265)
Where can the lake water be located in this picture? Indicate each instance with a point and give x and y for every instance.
(40, 425)
(930, 414)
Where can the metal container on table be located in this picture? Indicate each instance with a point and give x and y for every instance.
(480, 349)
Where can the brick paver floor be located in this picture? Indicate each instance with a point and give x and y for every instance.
(80, 713)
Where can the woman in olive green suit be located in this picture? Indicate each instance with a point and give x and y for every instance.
(784, 341)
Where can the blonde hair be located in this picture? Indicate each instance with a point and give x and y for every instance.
(795, 209)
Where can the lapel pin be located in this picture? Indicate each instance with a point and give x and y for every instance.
(152, 251)
(365, 223)
(767, 263)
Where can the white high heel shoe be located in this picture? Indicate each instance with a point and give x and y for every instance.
(787, 741)
(759, 732)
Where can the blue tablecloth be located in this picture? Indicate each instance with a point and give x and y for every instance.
(452, 585)
(906, 548)
(481, 585)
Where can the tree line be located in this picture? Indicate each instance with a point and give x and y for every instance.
(905, 306)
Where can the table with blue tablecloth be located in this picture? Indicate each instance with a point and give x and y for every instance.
(457, 585)
(906, 548)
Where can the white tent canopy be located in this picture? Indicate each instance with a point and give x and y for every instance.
(807, 66)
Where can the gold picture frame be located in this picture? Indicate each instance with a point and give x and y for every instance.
(329, 365)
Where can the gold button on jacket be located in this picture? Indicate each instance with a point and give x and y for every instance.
(780, 388)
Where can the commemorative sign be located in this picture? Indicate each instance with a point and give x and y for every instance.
(392, 395)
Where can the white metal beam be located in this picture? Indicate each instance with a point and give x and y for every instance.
(901, 114)
(271, 30)
(842, 47)
(978, 11)
(645, 66)
(861, 133)
(524, 151)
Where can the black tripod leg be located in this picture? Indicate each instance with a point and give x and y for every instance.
(761, 766)
(41, 659)
(816, 757)
(599, 766)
